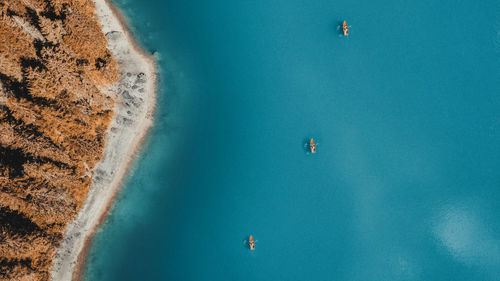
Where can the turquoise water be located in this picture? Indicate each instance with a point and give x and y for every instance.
(406, 181)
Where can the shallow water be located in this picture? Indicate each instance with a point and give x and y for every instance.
(405, 184)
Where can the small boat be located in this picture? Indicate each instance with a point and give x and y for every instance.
(345, 28)
(312, 145)
(251, 243)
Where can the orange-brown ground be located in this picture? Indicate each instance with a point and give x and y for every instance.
(53, 120)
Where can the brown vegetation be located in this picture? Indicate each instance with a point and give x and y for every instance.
(53, 119)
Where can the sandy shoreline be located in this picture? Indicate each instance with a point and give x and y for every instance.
(135, 99)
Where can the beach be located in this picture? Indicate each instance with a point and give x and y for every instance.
(134, 96)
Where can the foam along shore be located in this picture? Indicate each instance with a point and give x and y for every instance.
(134, 104)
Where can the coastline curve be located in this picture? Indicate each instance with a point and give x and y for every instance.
(135, 96)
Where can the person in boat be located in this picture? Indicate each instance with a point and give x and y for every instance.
(312, 145)
(251, 243)
(345, 28)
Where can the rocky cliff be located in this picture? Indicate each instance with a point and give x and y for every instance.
(54, 115)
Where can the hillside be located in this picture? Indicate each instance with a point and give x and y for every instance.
(54, 116)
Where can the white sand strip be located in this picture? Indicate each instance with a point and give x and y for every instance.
(134, 105)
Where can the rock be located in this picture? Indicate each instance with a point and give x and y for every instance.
(113, 35)
(126, 95)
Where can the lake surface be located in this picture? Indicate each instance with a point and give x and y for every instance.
(405, 184)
